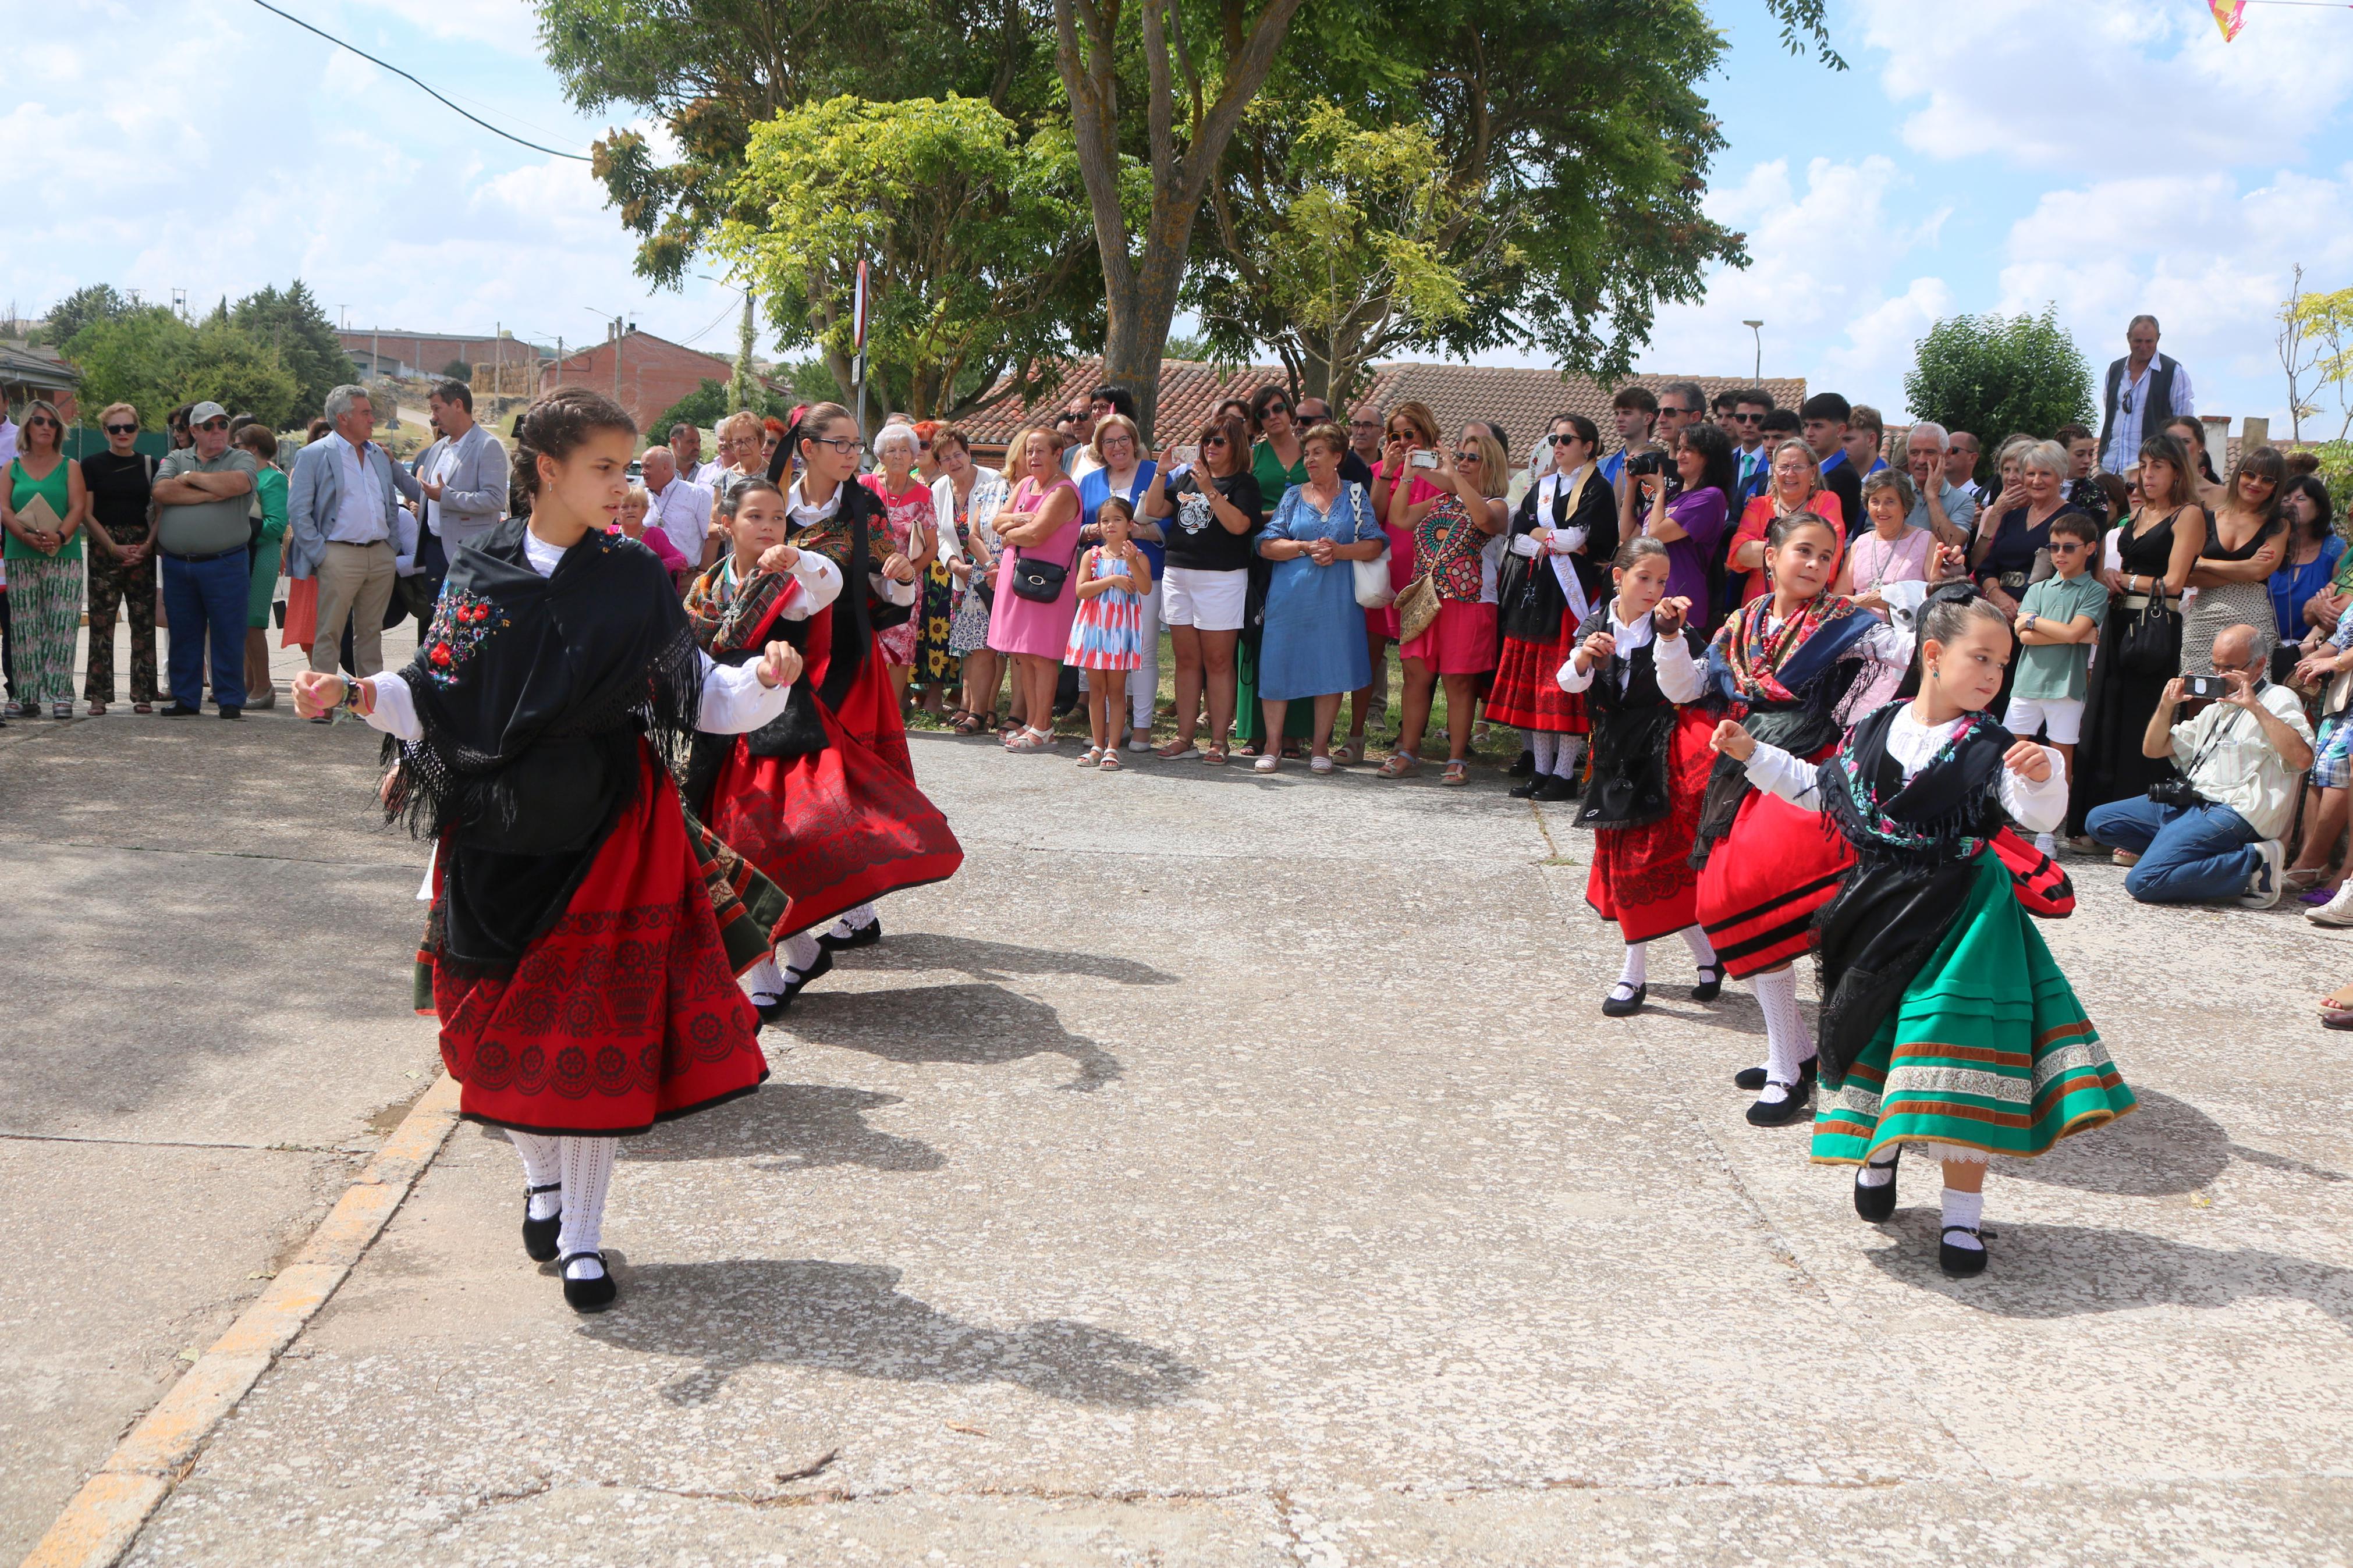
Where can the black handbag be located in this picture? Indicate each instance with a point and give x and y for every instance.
(1039, 582)
(2151, 646)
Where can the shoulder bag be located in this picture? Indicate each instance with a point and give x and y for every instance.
(1372, 590)
(2151, 645)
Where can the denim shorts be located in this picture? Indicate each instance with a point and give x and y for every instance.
(2333, 766)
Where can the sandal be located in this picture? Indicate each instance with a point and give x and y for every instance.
(1090, 756)
(1266, 764)
(98, 710)
(1031, 739)
(60, 709)
(1215, 756)
(1319, 764)
(1349, 751)
(970, 724)
(1110, 762)
(2295, 878)
(143, 708)
(1457, 773)
(1399, 765)
(1176, 750)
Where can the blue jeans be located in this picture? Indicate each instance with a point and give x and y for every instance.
(201, 597)
(2186, 857)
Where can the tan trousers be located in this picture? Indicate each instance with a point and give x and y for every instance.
(355, 584)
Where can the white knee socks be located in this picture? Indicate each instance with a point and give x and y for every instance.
(1964, 1209)
(1544, 744)
(541, 1167)
(765, 979)
(800, 952)
(1786, 1046)
(853, 921)
(1638, 967)
(1702, 950)
(588, 1173)
(1564, 766)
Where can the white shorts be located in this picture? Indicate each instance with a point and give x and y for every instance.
(1206, 601)
(2061, 716)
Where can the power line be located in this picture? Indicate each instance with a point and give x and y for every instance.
(395, 70)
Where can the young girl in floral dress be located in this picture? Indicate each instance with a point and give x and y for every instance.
(1107, 633)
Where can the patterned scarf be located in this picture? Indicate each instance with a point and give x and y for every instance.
(1948, 810)
(1758, 656)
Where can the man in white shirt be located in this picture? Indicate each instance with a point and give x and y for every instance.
(681, 508)
(2143, 390)
(2242, 761)
(1943, 508)
(340, 510)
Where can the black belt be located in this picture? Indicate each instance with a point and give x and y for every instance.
(359, 543)
(200, 560)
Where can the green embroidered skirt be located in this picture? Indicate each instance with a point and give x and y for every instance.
(1988, 1050)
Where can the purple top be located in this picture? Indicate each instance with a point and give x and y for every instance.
(1703, 514)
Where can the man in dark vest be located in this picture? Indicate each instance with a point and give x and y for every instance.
(2143, 391)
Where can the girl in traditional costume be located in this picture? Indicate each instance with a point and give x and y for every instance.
(586, 935)
(1946, 1024)
(1783, 664)
(823, 801)
(1651, 764)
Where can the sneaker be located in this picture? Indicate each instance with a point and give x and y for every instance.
(2264, 886)
(2338, 910)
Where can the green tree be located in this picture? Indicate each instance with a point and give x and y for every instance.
(2322, 324)
(292, 321)
(90, 303)
(153, 360)
(1995, 374)
(713, 400)
(973, 234)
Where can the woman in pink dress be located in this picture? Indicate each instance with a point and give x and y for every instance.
(1040, 526)
(907, 513)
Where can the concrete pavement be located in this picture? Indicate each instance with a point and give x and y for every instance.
(1220, 1170)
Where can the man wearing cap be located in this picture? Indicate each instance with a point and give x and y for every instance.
(340, 511)
(202, 495)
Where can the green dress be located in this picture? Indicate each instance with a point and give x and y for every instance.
(1250, 720)
(269, 489)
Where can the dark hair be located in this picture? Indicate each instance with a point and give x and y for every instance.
(1827, 405)
(1778, 533)
(318, 427)
(2081, 524)
(1691, 392)
(555, 425)
(2304, 460)
(2168, 450)
(1636, 397)
(2119, 497)
(1945, 614)
(180, 416)
(1722, 474)
(2263, 462)
(1781, 422)
(2205, 459)
(810, 423)
(1237, 436)
(1262, 399)
(1894, 480)
(2311, 485)
(2067, 435)
(1497, 430)
(257, 440)
(1585, 429)
(1121, 401)
(1756, 395)
(237, 422)
(1641, 547)
(454, 390)
(1722, 403)
(1124, 507)
(730, 497)
(1235, 408)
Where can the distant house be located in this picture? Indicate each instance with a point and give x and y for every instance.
(383, 352)
(1522, 401)
(27, 373)
(644, 373)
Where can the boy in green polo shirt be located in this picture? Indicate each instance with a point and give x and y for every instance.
(2058, 622)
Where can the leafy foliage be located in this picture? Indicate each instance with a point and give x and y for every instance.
(293, 323)
(1994, 374)
(90, 303)
(974, 236)
(152, 360)
(710, 401)
(458, 369)
(2325, 322)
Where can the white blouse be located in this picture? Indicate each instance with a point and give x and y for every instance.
(2037, 807)
(1681, 676)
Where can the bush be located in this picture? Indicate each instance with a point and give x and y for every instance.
(153, 360)
(458, 370)
(1992, 374)
(707, 405)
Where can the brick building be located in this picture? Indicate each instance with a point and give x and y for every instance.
(653, 373)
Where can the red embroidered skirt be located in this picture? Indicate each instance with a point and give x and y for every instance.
(1527, 691)
(839, 828)
(626, 1013)
(1643, 878)
(1765, 879)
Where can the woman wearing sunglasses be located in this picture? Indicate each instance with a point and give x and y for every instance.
(42, 507)
(1452, 514)
(120, 481)
(1278, 462)
(1217, 511)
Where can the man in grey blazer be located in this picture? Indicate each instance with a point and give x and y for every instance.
(463, 477)
(338, 511)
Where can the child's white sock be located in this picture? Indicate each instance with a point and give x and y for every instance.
(1964, 1209)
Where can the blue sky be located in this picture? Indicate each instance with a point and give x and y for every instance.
(2107, 156)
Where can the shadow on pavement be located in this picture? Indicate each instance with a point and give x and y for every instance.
(851, 1318)
(998, 960)
(800, 1126)
(2048, 1271)
(2167, 1147)
(972, 1026)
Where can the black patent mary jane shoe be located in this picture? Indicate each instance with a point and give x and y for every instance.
(1877, 1204)
(1616, 1005)
(593, 1294)
(1961, 1262)
(539, 1235)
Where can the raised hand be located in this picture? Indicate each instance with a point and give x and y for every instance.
(1733, 742)
(2029, 761)
(780, 665)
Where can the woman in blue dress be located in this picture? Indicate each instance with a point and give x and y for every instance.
(1314, 645)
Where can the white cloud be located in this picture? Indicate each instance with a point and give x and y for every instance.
(1829, 276)
(2107, 87)
(2209, 260)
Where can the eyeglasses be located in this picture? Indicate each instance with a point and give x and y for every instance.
(1209, 441)
(38, 422)
(1466, 456)
(1562, 440)
(845, 444)
(1667, 408)
(123, 429)
(2067, 546)
(214, 424)
(1745, 418)
(1276, 408)
(923, 445)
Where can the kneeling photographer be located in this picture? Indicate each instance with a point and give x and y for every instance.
(2214, 832)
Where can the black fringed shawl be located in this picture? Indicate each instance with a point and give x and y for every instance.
(531, 692)
(1633, 732)
(1916, 846)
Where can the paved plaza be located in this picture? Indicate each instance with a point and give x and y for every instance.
(1221, 1170)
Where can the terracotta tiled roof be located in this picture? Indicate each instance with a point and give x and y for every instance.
(1522, 401)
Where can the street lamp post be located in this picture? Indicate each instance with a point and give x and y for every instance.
(1757, 373)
